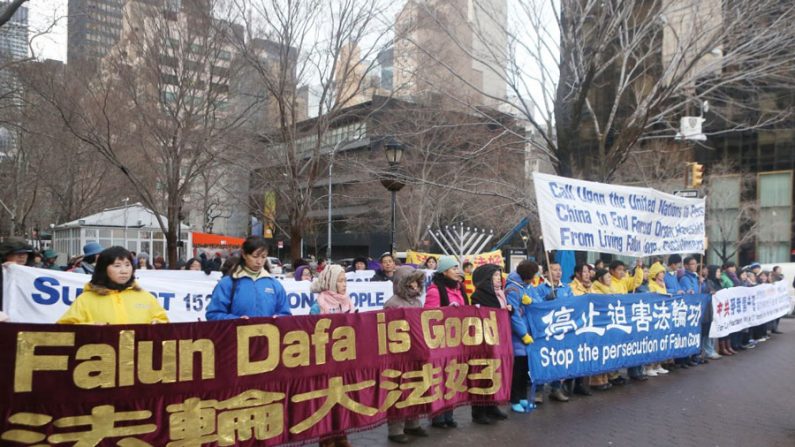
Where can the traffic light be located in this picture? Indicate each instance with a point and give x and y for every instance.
(696, 175)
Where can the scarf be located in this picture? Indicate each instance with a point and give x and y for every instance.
(485, 292)
(443, 283)
(333, 302)
(329, 299)
(733, 276)
(501, 296)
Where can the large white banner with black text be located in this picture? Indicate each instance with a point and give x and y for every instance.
(739, 308)
(624, 220)
(32, 295)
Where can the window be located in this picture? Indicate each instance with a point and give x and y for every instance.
(723, 226)
(775, 216)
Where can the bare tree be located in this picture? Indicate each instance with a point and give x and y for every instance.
(9, 10)
(594, 78)
(327, 45)
(157, 110)
(447, 155)
(732, 220)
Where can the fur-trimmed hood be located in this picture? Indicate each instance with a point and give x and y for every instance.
(102, 290)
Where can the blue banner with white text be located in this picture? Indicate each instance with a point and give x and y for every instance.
(592, 334)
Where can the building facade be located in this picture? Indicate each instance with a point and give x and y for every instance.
(13, 48)
(452, 50)
(93, 28)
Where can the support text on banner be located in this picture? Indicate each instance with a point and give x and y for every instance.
(624, 220)
(592, 334)
(738, 308)
(32, 295)
(263, 381)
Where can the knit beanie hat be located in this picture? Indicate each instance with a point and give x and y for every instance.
(446, 263)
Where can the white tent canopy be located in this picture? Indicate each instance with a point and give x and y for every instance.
(133, 226)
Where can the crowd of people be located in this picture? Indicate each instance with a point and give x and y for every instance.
(248, 290)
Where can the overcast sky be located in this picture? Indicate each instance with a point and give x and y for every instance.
(48, 15)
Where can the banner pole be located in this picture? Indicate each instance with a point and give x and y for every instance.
(549, 275)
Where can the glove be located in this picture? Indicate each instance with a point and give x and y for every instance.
(527, 339)
(526, 300)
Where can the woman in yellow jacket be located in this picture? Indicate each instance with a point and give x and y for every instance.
(656, 285)
(113, 296)
(601, 286)
(657, 279)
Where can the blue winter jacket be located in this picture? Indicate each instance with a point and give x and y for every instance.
(515, 290)
(672, 286)
(544, 291)
(689, 283)
(264, 297)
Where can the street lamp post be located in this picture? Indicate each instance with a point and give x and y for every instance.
(393, 150)
(126, 202)
(328, 226)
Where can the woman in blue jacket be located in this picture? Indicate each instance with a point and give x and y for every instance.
(520, 294)
(249, 290)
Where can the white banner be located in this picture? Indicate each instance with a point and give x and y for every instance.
(738, 308)
(624, 220)
(32, 295)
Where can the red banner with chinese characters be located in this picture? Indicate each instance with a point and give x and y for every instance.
(263, 381)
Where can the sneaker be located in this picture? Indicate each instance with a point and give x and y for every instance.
(661, 370)
(539, 399)
(558, 395)
(748, 346)
(714, 356)
(525, 403)
(650, 372)
(518, 408)
(765, 338)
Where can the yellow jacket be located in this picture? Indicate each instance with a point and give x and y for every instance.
(656, 288)
(600, 289)
(578, 289)
(627, 283)
(101, 305)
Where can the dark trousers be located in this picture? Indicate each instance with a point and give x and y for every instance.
(521, 379)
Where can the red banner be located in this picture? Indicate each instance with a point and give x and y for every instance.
(262, 381)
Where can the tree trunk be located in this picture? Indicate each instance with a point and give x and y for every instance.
(295, 242)
(173, 231)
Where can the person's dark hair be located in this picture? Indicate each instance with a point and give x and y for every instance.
(251, 245)
(601, 273)
(579, 268)
(776, 268)
(616, 264)
(356, 260)
(425, 264)
(229, 265)
(598, 263)
(527, 269)
(298, 262)
(466, 265)
(674, 259)
(713, 273)
(728, 265)
(385, 255)
(688, 259)
(107, 257)
(91, 259)
(191, 261)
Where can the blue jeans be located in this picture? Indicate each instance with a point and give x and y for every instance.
(635, 371)
(708, 345)
(447, 416)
